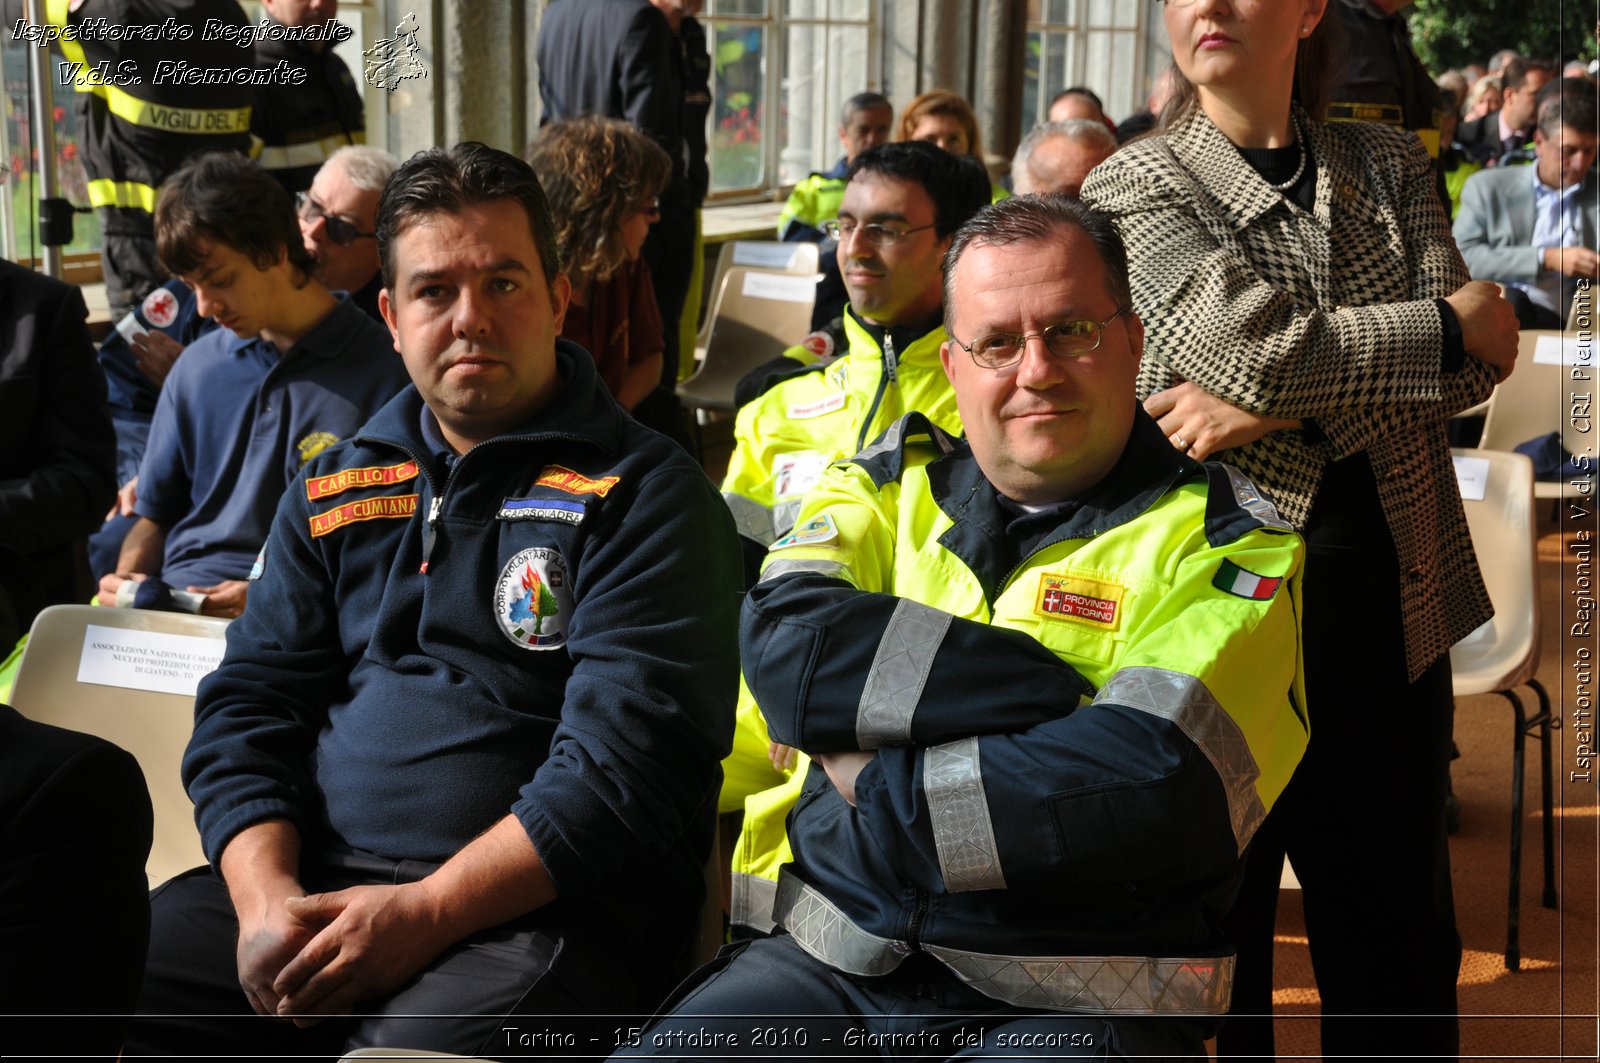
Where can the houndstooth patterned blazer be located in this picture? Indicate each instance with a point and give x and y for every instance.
(1326, 316)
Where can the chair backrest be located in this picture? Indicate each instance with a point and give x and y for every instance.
(1504, 652)
(758, 315)
(1531, 402)
(766, 256)
(82, 670)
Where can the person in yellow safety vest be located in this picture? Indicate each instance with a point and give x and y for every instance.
(865, 121)
(1050, 681)
(157, 82)
(901, 208)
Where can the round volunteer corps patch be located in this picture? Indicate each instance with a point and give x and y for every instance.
(160, 308)
(819, 343)
(532, 601)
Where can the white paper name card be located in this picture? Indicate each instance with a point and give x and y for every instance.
(1558, 350)
(766, 256)
(147, 660)
(780, 286)
(1472, 476)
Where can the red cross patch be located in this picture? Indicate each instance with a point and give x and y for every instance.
(160, 308)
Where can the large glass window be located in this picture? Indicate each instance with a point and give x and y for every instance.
(1115, 47)
(781, 69)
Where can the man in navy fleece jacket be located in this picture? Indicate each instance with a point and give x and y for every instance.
(460, 762)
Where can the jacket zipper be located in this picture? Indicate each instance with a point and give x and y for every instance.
(919, 911)
(890, 375)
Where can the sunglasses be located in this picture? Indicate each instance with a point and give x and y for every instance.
(340, 231)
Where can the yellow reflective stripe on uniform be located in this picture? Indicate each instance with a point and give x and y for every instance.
(1113, 985)
(752, 902)
(151, 115)
(963, 831)
(779, 568)
(104, 192)
(1185, 701)
(898, 673)
(55, 14)
(750, 518)
(310, 153)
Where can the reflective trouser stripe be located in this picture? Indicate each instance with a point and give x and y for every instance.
(104, 192)
(898, 673)
(1119, 985)
(1187, 702)
(752, 901)
(310, 153)
(963, 832)
(750, 518)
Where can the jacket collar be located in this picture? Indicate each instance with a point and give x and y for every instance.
(909, 340)
(1217, 165)
(583, 411)
(1149, 467)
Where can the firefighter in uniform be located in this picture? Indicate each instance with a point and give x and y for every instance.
(298, 125)
(140, 114)
(1050, 683)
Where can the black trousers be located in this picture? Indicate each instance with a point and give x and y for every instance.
(768, 999)
(550, 972)
(1363, 823)
(128, 258)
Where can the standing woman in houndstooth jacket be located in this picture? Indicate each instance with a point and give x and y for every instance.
(1310, 321)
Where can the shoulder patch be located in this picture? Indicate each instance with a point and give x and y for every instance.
(1242, 583)
(574, 483)
(160, 308)
(821, 530)
(384, 507)
(885, 458)
(320, 487)
(313, 444)
(567, 511)
(819, 343)
(1235, 505)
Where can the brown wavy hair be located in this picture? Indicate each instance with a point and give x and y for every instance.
(596, 172)
(942, 101)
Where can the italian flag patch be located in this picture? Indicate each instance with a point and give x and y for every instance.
(1243, 583)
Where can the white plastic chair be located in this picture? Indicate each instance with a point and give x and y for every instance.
(767, 256)
(1503, 654)
(1532, 402)
(153, 726)
(758, 315)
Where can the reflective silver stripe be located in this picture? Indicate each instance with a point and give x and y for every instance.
(784, 514)
(1120, 985)
(825, 932)
(752, 519)
(1185, 701)
(1253, 502)
(752, 901)
(899, 672)
(789, 567)
(888, 443)
(309, 153)
(963, 832)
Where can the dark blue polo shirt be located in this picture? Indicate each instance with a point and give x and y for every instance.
(234, 424)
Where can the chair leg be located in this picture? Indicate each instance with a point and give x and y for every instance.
(1514, 902)
(1546, 723)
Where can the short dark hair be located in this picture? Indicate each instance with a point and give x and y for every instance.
(957, 184)
(863, 101)
(1516, 71)
(442, 181)
(1022, 219)
(1078, 90)
(222, 197)
(1567, 102)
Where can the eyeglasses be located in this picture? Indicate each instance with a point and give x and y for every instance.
(875, 235)
(1069, 339)
(340, 231)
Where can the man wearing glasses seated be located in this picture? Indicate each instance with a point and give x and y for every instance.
(901, 207)
(1049, 682)
(292, 370)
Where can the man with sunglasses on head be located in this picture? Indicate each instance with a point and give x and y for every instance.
(293, 369)
(338, 219)
(1048, 678)
(902, 205)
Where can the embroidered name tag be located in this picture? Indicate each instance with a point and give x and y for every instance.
(568, 512)
(386, 507)
(573, 483)
(1085, 601)
(821, 530)
(1242, 583)
(795, 474)
(319, 487)
(807, 410)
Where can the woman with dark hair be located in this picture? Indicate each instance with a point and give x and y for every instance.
(1310, 321)
(603, 179)
(946, 120)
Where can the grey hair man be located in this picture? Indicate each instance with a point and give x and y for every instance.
(338, 222)
(1057, 156)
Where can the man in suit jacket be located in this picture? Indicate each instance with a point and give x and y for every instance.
(58, 452)
(1490, 138)
(1533, 228)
